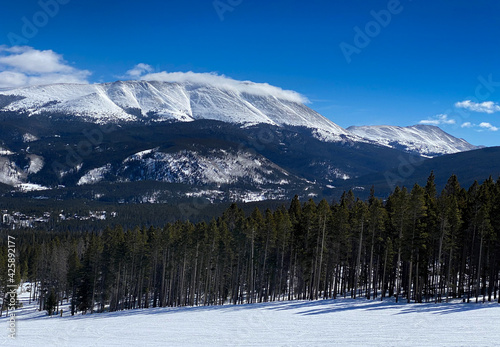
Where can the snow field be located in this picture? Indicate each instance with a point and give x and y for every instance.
(341, 322)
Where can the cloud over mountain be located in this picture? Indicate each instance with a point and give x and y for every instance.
(225, 82)
(437, 120)
(24, 65)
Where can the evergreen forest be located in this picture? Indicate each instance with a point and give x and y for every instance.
(417, 245)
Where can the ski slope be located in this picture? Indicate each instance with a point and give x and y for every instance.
(343, 322)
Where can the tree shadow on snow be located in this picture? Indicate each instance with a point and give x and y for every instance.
(400, 308)
(305, 308)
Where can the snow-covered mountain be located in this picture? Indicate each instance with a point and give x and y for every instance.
(243, 103)
(190, 167)
(146, 101)
(215, 138)
(426, 140)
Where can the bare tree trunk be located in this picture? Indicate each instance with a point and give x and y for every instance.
(418, 297)
(478, 282)
(448, 284)
(193, 280)
(382, 296)
(370, 270)
(163, 278)
(398, 270)
(441, 239)
(263, 274)
(321, 256)
(358, 261)
(252, 283)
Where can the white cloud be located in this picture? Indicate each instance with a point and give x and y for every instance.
(483, 107)
(31, 60)
(438, 119)
(23, 65)
(139, 70)
(226, 83)
(488, 126)
(12, 79)
(480, 127)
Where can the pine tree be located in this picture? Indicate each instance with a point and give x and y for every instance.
(360, 220)
(377, 218)
(74, 277)
(418, 238)
(398, 206)
(51, 303)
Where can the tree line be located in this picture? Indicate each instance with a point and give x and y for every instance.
(416, 245)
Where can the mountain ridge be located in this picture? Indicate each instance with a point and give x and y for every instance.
(244, 103)
(155, 101)
(221, 143)
(427, 140)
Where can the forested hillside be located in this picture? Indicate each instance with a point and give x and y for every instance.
(418, 245)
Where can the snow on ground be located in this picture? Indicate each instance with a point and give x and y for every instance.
(29, 137)
(9, 172)
(192, 167)
(343, 322)
(36, 163)
(4, 151)
(94, 175)
(30, 187)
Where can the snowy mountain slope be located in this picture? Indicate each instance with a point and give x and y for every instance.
(165, 101)
(425, 140)
(191, 136)
(193, 168)
(206, 159)
(10, 173)
(13, 175)
(246, 163)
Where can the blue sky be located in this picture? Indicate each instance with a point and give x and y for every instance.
(358, 62)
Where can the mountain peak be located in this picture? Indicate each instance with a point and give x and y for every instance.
(182, 98)
(427, 140)
(225, 83)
